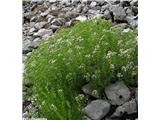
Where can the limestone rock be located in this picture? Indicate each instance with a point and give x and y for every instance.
(117, 93)
(87, 89)
(97, 109)
(128, 107)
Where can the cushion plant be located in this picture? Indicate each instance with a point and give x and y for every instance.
(92, 52)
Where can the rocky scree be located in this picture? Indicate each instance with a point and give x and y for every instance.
(42, 18)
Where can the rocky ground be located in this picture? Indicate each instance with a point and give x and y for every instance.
(42, 19)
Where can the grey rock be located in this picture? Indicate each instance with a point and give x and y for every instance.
(46, 36)
(113, 1)
(136, 94)
(33, 19)
(81, 18)
(107, 15)
(126, 30)
(100, 2)
(34, 44)
(50, 18)
(97, 109)
(86, 1)
(108, 119)
(25, 115)
(129, 11)
(69, 23)
(121, 25)
(104, 7)
(79, 8)
(85, 9)
(125, 3)
(31, 24)
(117, 93)
(65, 2)
(40, 25)
(35, 0)
(27, 16)
(71, 14)
(52, 1)
(45, 13)
(112, 118)
(29, 45)
(132, 21)
(97, 8)
(43, 32)
(98, 15)
(118, 13)
(32, 30)
(95, 12)
(58, 21)
(134, 3)
(75, 2)
(86, 118)
(128, 107)
(54, 27)
(39, 18)
(93, 4)
(135, 10)
(26, 46)
(87, 89)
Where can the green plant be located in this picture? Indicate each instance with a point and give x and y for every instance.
(92, 51)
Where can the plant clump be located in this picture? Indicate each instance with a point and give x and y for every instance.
(89, 52)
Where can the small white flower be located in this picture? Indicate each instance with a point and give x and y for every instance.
(94, 33)
(59, 55)
(79, 97)
(69, 51)
(94, 76)
(88, 56)
(81, 66)
(52, 61)
(60, 90)
(95, 92)
(120, 42)
(97, 46)
(78, 47)
(106, 44)
(43, 102)
(110, 54)
(134, 73)
(124, 68)
(119, 75)
(54, 107)
(112, 66)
